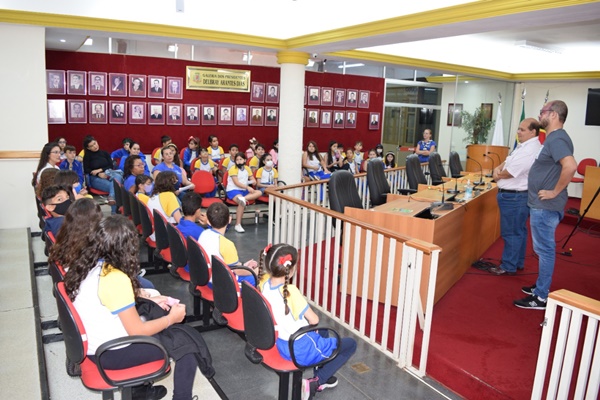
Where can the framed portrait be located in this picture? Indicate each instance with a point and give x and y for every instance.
(77, 113)
(312, 118)
(241, 115)
(118, 112)
(304, 117)
(257, 92)
(305, 96)
(339, 100)
(98, 111)
(156, 86)
(487, 110)
(117, 84)
(272, 93)
(209, 117)
(374, 121)
(327, 96)
(56, 112)
(454, 117)
(351, 98)
(271, 116)
(350, 120)
(137, 85)
(174, 88)
(156, 113)
(192, 114)
(174, 114)
(76, 82)
(55, 81)
(326, 119)
(97, 84)
(256, 116)
(338, 120)
(364, 99)
(137, 113)
(225, 115)
(314, 96)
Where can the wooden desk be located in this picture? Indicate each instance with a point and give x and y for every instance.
(591, 183)
(463, 233)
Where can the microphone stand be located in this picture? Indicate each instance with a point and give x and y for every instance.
(480, 182)
(442, 205)
(455, 190)
(492, 160)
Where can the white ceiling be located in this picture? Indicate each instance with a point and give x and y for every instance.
(477, 41)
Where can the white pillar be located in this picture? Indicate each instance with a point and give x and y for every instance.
(291, 114)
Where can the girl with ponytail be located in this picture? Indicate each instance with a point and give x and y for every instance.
(292, 312)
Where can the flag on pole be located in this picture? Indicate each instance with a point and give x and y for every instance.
(498, 138)
(521, 120)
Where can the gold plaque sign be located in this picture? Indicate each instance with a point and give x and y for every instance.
(218, 79)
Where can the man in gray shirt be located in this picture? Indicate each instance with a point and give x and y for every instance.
(549, 176)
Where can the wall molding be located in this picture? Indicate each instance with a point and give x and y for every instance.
(18, 154)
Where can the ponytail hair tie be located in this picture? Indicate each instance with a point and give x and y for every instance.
(266, 249)
(286, 260)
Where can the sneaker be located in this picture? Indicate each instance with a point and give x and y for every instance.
(331, 383)
(500, 271)
(239, 229)
(528, 290)
(531, 302)
(148, 392)
(142, 272)
(309, 388)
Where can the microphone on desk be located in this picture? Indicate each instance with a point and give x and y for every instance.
(455, 190)
(490, 174)
(497, 155)
(442, 205)
(480, 182)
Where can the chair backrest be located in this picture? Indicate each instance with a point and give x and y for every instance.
(56, 272)
(146, 219)
(126, 204)
(193, 164)
(414, 172)
(583, 165)
(225, 286)
(160, 230)
(343, 192)
(203, 181)
(455, 165)
(71, 326)
(156, 156)
(436, 169)
(198, 263)
(118, 195)
(134, 207)
(258, 318)
(378, 184)
(177, 245)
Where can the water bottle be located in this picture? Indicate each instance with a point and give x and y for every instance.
(468, 190)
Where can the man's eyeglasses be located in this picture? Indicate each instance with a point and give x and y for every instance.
(543, 110)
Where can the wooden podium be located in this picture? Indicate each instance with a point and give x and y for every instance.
(477, 151)
(591, 183)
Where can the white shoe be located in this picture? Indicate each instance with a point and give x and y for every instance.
(239, 229)
(142, 272)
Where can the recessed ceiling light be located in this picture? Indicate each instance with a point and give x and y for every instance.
(172, 48)
(88, 42)
(62, 40)
(351, 65)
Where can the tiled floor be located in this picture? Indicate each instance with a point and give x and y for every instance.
(238, 378)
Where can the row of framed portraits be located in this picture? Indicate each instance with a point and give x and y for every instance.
(113, 84)
(337, 119)
(158, 113)
(327, 96)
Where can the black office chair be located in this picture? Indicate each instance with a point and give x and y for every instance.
(436, 169)
(126, 204)
(135, 210)
(343, 192)
(414, 174)
(455, 165)
(379, 187)
(118, 196)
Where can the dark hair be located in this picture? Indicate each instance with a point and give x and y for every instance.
(393, 162)
(218, 215)
(190, 203)
(115, 240)
(559, 107)
(165, 182)
(86, 142)
(241, 154)
(70, 147)
(330, 159)
(315, 153)
(232, 145)
(141, 180)
(164, 139)
(194, 139)
(534, 125)
(128, 167)
(67, 179)
(49, 192)
(79, 223)
(46, 179)
(210, 138)
(262, 160)
(127, 140)
(44, 156)
(260, 145)
(278, 261)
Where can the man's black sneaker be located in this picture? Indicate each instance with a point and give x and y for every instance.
(331, 383)
(528, 290)
(148, 392)
(531, 302)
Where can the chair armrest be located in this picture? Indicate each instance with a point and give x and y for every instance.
(247, 269)
(313, 328)
(406, 191)
(111, 344)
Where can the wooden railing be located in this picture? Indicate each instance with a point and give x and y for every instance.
(576, 312)
(374, 293)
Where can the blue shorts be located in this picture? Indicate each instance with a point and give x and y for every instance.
(310, 348)
(232, 193)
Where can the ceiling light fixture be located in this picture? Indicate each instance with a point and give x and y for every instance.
(351, 65)
(62, 40)
(172, 48)
(546, 48)
(246, 57)
(88, 42)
